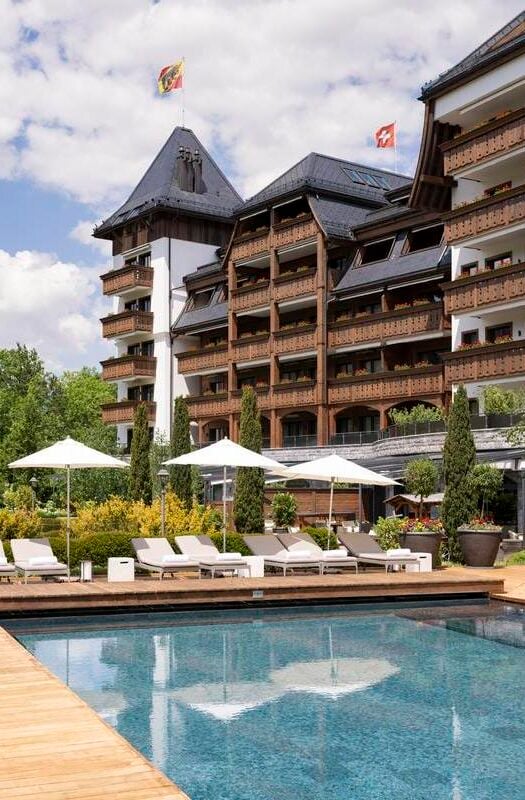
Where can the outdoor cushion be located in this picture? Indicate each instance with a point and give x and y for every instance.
(174, 559)
(334, 554)
(42, 561)
(228, 556)
(399, 551)
(3, 561)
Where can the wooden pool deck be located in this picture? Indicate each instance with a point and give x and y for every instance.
(54, 747)
(147, 594)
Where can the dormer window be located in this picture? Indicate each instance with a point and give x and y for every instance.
(423, 238)
(376, 251)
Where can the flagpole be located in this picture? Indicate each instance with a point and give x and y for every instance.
(395, 145)
(183, 81)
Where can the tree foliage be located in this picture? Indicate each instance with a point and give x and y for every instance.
(139, 468)
(417, 414)
(249, 489)
(503, 401)
(485, 481)
(180, 475)
(459, 456)
(421, 477)
(284, 509)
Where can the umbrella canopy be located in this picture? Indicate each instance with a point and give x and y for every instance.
(226, 453)
(335, 469)
(333, 677)
(68, 454)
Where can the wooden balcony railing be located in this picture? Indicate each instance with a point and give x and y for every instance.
(249, 245)
(476, 146)
(502, 285)
(485, 215)
(251, 347)
(300, 393)
(293, 232)
(115, 369)
(118, 281)
(264, 399)
(295, 340)
(208, 405)
(412, 321)
(288, 287)
(123, 411)
(485, 362)
(394, 385)
(206, 358)
(250, 297)
(127, 322)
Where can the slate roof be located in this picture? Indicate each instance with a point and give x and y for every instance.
(508, 38)
(158, 186)
(201, 272)
(216, 312)
(393, 269)
(327, 175)
(337, 219)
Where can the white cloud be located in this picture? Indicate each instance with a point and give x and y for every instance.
(83, 233)
(267, 80)
(53, 306)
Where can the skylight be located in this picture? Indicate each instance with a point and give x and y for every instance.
(366, 178)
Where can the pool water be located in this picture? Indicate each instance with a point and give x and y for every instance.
(399, 703)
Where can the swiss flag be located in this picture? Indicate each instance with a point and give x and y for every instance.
(385, 136)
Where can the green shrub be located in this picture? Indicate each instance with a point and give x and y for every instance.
(19, 498)
(388, 530)
(516, 558)
(234, 543)
(284, 509)
(320, 537)
(96, 548)
(503, 401)
(19, 524)
(419, 413)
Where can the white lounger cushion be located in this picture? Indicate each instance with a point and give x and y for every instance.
(297, 555)
(3, 561)
(334, 554)
(175, 559)
(399, 551)
(228, 556)
(42, 561)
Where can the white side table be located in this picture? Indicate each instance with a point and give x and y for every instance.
(121, 569)
(257, 567)
(425, 563)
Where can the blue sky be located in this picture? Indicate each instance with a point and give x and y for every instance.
(267, 81)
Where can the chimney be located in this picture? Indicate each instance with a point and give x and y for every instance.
(197, 172)
(182, 170)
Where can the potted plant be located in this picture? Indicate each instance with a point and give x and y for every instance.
(480, 538)
(422, 535)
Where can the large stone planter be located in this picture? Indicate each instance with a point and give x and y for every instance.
(479, 545)
(423, 542)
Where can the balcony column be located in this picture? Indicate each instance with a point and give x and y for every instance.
(276, 430)
(383, 418)
(321, 287)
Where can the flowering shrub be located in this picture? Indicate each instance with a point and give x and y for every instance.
(422, 364)
(400, 367)
(422, 525)
(470, 345)
(502, 339)
(19, 524)
(486, 523)
(361, 372)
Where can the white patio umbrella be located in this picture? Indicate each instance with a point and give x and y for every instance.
(225, 701)
(334, 469)
(333, 677)
(68, 454)
(226, 453)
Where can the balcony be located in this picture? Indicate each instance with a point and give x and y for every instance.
(504, 285)
(250, 297)
(251, 347)
(288, 233)
(297, 284)
(486, 362)
(474, 147)
(128, 368)
(249, 246)
(482, 217)
(123, 412)
(263, 398)
(295, 340)
(299, 393)
(127, 323)
(206, 358)
(208, 405)
(393, 385)
(403, 322)
(126, 279)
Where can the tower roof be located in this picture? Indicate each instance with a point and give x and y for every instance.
(506, 40)
(160, 186)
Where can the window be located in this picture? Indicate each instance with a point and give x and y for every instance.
(376, 251)
(141, 393)
(369, 308)
(367, 179)
(248, 380)
(370, 365)
(144, 260)
(423, 238)
(470, 337)
(298, 374)
(201, 299)
(499, 333)
(140, 304)
(504, 260)
(469, 269)
(141, 349)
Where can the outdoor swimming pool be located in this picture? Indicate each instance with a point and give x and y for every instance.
(335, 703)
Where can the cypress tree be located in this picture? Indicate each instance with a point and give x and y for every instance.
(180, 476)
(139, 468)
(459, 457)
(249, 490)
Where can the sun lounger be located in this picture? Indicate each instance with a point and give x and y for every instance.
(202, 550)
(35, 557)
(367, 551)
(337, 559)
(277, 556)
(156, 554)
(7, 570)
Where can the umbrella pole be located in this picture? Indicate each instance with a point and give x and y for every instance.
(224, 510)
(330, 513)
(68, 495)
